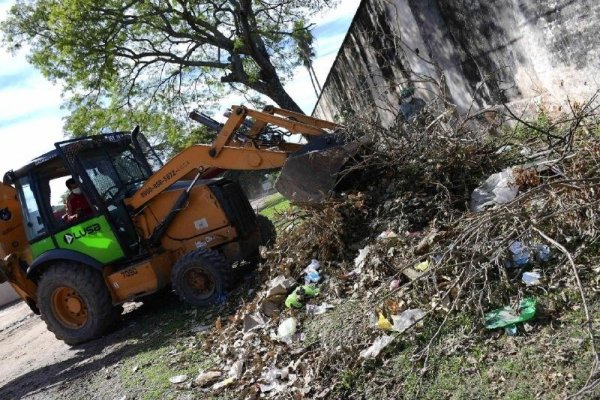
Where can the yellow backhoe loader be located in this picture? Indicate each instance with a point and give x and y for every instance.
(149, 224)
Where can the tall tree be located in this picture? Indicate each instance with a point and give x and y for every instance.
(122, 60)
(304, 45)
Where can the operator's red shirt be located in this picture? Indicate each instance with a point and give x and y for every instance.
(76, 202)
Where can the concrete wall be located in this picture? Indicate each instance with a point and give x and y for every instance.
(478, 53)
(7, 294)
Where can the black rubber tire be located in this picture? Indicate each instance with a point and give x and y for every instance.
(268, 233)
(209, 263)
(90, 286)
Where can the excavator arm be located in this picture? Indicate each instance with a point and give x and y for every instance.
(197, 158)
(231, 151)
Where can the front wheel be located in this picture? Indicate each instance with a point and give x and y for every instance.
(201, 277)
(75, 303)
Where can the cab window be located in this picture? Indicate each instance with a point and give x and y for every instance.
(34, 225)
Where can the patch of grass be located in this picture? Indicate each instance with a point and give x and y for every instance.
(167, 348)
(468, 362)
(273, 200)
(275, 204)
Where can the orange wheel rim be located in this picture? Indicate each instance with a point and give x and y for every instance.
(69, 308)
(201, 283)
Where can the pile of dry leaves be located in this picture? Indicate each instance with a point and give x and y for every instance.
(440, 218)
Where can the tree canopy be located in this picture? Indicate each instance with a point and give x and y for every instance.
(149, 62)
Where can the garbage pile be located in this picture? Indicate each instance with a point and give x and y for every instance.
(441, 220)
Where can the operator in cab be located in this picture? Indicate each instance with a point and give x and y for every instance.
(77, 205)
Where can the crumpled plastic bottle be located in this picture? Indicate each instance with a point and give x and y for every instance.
(312, 273)
(520, 253)
(297, 297)
(531, 278)
(542, 252)
(506, 316)
(407, 319)
(287, 328)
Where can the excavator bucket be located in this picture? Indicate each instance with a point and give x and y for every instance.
(310, 175)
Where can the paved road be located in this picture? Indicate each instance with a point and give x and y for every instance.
(35, 365)
(26, 344)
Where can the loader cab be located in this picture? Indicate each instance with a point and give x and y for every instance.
(107, 168)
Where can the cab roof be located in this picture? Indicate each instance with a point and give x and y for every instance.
(67, 147)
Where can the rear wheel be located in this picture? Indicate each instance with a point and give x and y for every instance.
(75, 303)
(201, 277)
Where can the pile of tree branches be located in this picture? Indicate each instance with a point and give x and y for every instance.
(427, 170)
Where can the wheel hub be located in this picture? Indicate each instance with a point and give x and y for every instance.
(74, 305)
(200, 282)
(69, 307)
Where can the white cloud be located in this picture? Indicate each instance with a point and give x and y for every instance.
(345, 9)
(30, 115)
(34, 95)
(27, 140)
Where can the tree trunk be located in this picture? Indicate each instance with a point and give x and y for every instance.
(271, 84)
(283, 99)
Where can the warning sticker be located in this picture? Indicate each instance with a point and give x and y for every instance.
(201, 224)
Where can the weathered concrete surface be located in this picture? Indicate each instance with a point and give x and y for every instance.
(478, 53)
(7, 294)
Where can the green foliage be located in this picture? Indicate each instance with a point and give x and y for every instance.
(304, 42)
(148, 62)
(199, 135)
(535, 128)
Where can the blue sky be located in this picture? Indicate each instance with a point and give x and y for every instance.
(30, 114)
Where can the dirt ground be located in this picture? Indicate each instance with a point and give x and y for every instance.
(35, 365)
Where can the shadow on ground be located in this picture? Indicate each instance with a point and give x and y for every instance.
(143, 328)
(91, 357)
